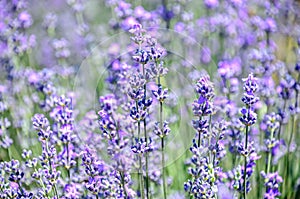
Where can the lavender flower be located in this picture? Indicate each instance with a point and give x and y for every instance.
(48, 157)
(161, 132)
(161, 94)
(248, 119)
(272, 182)
(69, 153)
(142, 147)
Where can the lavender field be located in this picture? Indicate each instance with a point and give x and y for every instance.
(160, 99)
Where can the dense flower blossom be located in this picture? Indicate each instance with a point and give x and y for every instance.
(209, 149)
(205, 88)
(141, 146)
(272, 182)
(161, 94)
(58, 141)
(250, 87)
(248, 117)
(161, 132)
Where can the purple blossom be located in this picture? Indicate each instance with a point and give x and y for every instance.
(141, 146)
(160, 94)
(161, 132)
(205, 88)
(248, 117)
(250, 84)
(272, 183)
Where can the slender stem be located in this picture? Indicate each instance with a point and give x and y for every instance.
(277, 167)
(210, 135)
(146, 157)
(162, 152)
(146, 140)
(199, 135)
(245, 165)
(51, 170)
(55, 190)
(281, 122)
(270, 154)
(268, 38)
(141, 178)
(42, 182)
(163, 167)
(162, 145)
(68, 162)
(123, 183)
(140, 173)
(199, 138)
(139, 122)
(288, 151)
(147, 173)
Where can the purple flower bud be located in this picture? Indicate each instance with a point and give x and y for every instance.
(248, 117)
(272, 183)
(141, 56)
(160, 94)
(156, 53)
(161, 132)
(250, 84)
(141, 146)
(205, 88)
(202, 107)
(249, 99)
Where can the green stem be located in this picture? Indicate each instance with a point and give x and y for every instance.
(140, 173)
(209, 140)
(163, 167)
(162, 145)
(139, 122)
(268, 38)
(68, 163)
(55, 190)
(199, 135)
(270, 154)
(50, 165)
(42, 183)
(281, 123)
(245, 163)
(146, 140)
(123, 183)
(288, 152)
(147, 173)
(141, 178)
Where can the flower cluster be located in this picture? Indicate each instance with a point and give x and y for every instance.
(204, 106)
(48, 160)
(272, 182)
(55, 143)
(249, 117)
(102, 181)
(210, 148)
